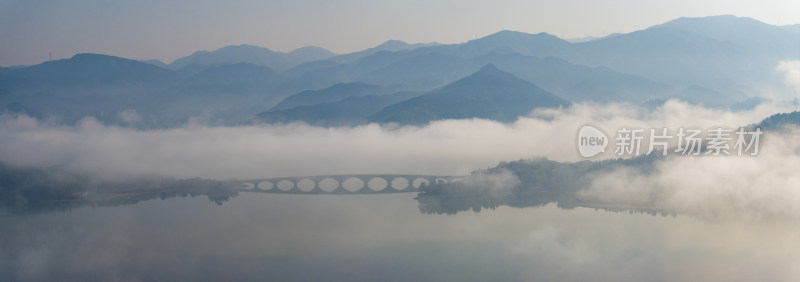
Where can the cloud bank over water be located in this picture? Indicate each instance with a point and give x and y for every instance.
(791, 71)
(753, 188)
(449, 147)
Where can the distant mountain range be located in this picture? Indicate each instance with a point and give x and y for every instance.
(253, 55)
(489, 93)
(92, 69)
(331, 94)
(349, 111)
(720, 61)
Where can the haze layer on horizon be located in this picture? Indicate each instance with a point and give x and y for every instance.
(167, 30)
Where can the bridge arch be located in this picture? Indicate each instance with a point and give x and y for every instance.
(419, 181)
(306, 185)
(328, 184)
(377, 183)
(353, 184)
(285, 185)
(344, 184)
(400, 183)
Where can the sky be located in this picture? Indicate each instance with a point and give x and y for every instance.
(167, 30)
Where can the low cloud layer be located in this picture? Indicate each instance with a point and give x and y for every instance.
(451, 147)
(791, 71)
(760, 187)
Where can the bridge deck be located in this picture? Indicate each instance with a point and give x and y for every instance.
(344, 184)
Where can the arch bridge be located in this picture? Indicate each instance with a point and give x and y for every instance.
(345, 184)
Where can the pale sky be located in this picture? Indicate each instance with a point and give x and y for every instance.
(167, 30)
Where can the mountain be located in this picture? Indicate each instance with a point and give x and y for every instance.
(576, 82)
(225, 83)
(254, 55)
(757, 36)
(586, 38)
(669, 54)
(19, 109)
(726, 53)
(9, 83)
(424, 71)
(155, 62)
(331, 94)
(347, 112)
(231, 93)
(778, 121)
(698, 95)
(319, 74)
(230, 75)
(93, 69)
(347, 67)
(794, 29)
(429, 67)
(397, 45)
(308, 54)
(489, 93)
(654, 56)
(570, 81)
(391, 46)
(715, 61)
(343, 68)
(86, 85)
(506, 41)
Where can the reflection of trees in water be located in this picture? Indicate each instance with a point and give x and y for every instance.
(34, 190)
(452, 198)
(540, 182)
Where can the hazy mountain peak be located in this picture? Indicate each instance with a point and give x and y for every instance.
(507, 41)
(393, 44)
(309, 54)
(93, 56)
(489, 93)
(235, 50)
(333, 93)
(489, 69)
(492, 73)
(89, 68)
(155, 62)
(96, 60)
(310, 49)
(739, 30)
(245, 53)
(390, 46)
(397, 45)
(725, 19)
(518, 35)
(233, 72)
(243, 47)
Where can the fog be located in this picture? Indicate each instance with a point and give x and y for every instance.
(364, 237)
(449, 147)
(724, 187)
(791, 73)
(708, 187)
(741, 222)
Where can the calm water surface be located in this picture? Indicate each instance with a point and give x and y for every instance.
(385, 237)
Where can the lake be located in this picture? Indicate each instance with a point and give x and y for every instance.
(280, 237)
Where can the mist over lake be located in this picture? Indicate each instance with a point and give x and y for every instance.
(386, 142)
(324, 237)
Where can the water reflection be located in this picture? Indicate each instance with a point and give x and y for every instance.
(512, 224)
(38, 190)
(259, 236)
